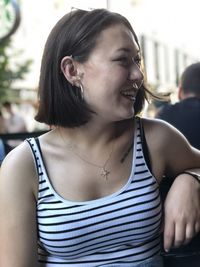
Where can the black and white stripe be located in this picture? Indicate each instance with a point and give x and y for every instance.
(117, 230)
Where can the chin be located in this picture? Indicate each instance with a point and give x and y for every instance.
(130, 115)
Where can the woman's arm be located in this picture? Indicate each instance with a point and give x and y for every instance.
(182, 211)
(18, 246)
(171, 154)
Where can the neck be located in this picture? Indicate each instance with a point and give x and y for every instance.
(92, 134)
(187, 95)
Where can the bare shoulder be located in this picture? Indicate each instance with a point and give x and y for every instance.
(18, 168)
(169, 146)
(156, 124)
(161, 131)
(18, 209)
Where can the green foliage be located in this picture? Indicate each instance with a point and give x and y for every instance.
(9, 73)
(4, 5)
(6, 2)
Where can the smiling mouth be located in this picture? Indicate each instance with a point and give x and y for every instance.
(129, 95)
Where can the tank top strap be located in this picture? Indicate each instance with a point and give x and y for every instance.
(37, 155)
(142, 143)
(138, 137)
(139, 160)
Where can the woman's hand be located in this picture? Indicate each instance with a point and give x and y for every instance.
(182, 212)
(170, 153)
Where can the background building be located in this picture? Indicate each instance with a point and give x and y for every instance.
(167, 31)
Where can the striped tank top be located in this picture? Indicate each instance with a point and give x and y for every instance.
(121, 229)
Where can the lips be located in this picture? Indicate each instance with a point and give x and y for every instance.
(130, 94)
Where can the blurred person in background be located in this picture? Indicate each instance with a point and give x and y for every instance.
(2, 124)
(14, 122)
(185, 114)
(4, 147)
(2, 131)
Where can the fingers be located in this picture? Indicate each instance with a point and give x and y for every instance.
(169, 234)
(180, 234)
(197, 227)
(177, 234)
(190, 233)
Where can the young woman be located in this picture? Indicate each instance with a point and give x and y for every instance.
(87, 192)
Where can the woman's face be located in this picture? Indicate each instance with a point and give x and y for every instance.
(111, 75)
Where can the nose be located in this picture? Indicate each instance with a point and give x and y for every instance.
(136, 75)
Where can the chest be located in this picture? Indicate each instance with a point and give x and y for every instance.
(78, 180)
(131, 215)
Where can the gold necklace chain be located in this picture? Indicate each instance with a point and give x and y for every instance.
(104, 172)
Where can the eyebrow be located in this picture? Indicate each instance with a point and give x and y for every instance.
(127, 50)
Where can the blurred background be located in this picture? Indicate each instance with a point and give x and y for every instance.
(167, 29)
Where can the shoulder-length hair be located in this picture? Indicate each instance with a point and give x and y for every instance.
(75, 34)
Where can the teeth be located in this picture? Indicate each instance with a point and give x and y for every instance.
(128, 95)
(132, 98)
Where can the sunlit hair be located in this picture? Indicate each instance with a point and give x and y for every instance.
(75, 34)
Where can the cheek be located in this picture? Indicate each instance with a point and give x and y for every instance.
(104, 80)
(94, 74)
(116, 74)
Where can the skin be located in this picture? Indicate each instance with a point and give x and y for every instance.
(183, 95)
(111, 129)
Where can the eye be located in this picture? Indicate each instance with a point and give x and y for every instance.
(137, 61)
(125, 61)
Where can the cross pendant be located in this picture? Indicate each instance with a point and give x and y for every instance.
(104, 173)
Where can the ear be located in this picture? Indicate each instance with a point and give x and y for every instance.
(180, 92)
(69, 69)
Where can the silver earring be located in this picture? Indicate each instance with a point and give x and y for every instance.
(82, 91)
(135, 85)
